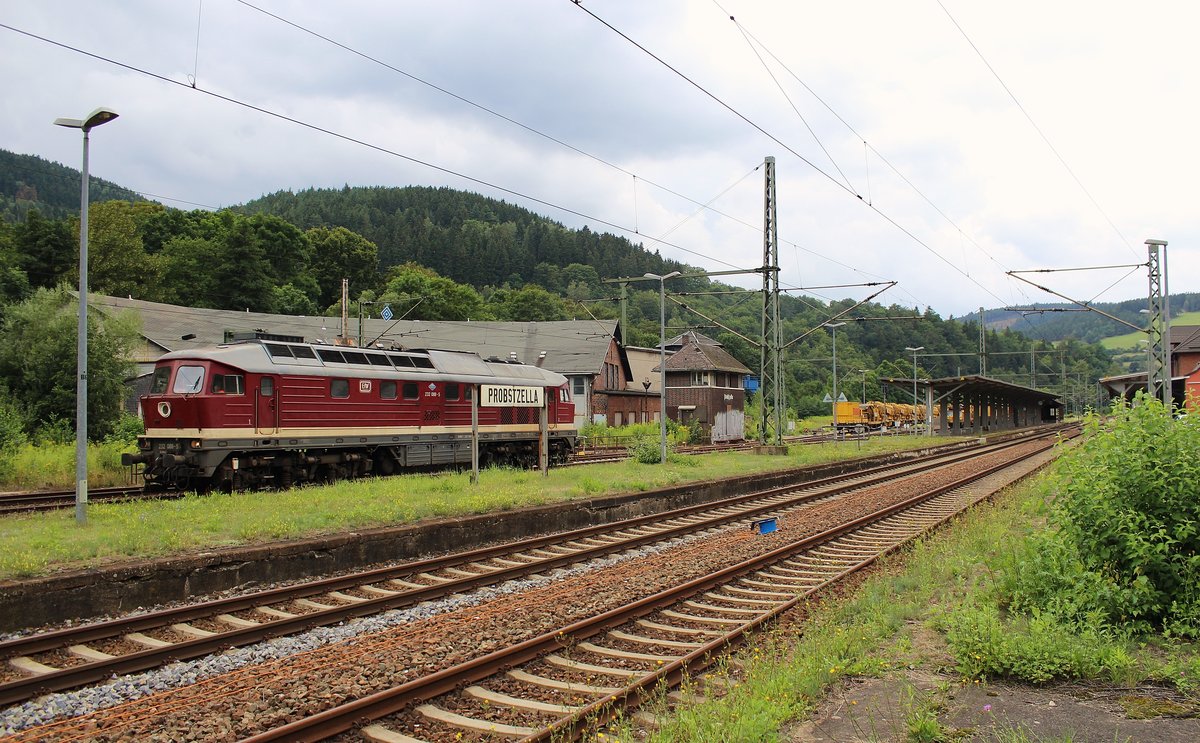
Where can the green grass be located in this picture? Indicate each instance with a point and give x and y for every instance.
(786, 675)
(52, 466)
(1129, 341)
(36, 544)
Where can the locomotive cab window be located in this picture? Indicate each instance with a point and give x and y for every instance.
(266, 387)
(227, 384)
(452, 391)
(410, 391)
(188, 380)
(162, 375)
(339, 388)
(387, 390)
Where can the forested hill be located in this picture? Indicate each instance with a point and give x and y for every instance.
(1063, 321)
(466, 237)
(29, 182)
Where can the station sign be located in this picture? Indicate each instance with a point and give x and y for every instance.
(503, 396)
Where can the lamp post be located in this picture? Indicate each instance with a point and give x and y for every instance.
(864, 380)
(834, 326)
(94, 119)
(914, 353)
(662, 358)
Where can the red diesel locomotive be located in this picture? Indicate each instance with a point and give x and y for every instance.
(264, 413)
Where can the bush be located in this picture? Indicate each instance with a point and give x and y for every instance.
(12, 424)
(1128, 526)
(126, 430)
(646, 449)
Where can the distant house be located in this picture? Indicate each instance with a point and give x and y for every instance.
(588, 352)
(1185, 371)
(705, 384)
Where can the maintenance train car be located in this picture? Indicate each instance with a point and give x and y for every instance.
(263, 413)
(877, 415)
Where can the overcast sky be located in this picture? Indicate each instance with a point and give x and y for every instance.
(953, 187)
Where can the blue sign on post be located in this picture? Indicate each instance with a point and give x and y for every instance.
(387, 312)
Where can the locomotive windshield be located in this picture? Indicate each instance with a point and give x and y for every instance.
(188, 380)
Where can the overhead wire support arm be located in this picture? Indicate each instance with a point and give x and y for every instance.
(716, 323)
(1085, 305)
(839, 315)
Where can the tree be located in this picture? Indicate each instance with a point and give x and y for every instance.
(244, 276)
(528, 304)
(117, 261)
(338, 254)
(46, 248)
(37, 360)
(14, 283)
(440, 298)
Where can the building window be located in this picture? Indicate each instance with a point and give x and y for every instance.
(579, 387)
(699, 379)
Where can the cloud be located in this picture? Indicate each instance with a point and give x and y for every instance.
(1110, 85)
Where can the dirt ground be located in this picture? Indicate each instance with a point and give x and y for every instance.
(883, 709)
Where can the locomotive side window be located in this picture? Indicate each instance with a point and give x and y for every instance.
(401, 361)
(452, 391)
(266, 388)
(331, 354)
(469, 393)
(161, 376)
(563, 395)
(188, 379)
(354, 357)
(339, 388)
(303, 352)
(387, 390)
(229, 384)
(410, 391)
(422, 362)
(378, 359)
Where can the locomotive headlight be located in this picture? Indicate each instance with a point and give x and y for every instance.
(143, 443)
(196, 443)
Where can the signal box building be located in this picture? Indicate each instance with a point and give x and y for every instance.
(705, 384)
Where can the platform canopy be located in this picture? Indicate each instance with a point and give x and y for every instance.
(976, 404)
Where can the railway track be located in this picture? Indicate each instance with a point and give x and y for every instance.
(53, 500)
(68, 658)
(576, 678)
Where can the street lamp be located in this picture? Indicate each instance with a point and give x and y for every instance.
(834, 326)
(864, 390)
(94, 119)
(662, 358)
(914, 353)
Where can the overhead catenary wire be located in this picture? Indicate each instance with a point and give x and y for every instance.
(886, 217)
(556, 140)
(755, 43)
(1037, 128)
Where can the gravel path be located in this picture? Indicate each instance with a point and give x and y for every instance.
(235, 694)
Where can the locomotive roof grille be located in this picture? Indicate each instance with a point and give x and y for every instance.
(283, 353)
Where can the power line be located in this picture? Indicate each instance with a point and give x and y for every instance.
(776, 140)
(1037, 128)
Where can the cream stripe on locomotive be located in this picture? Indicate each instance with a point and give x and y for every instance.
(349, 433)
